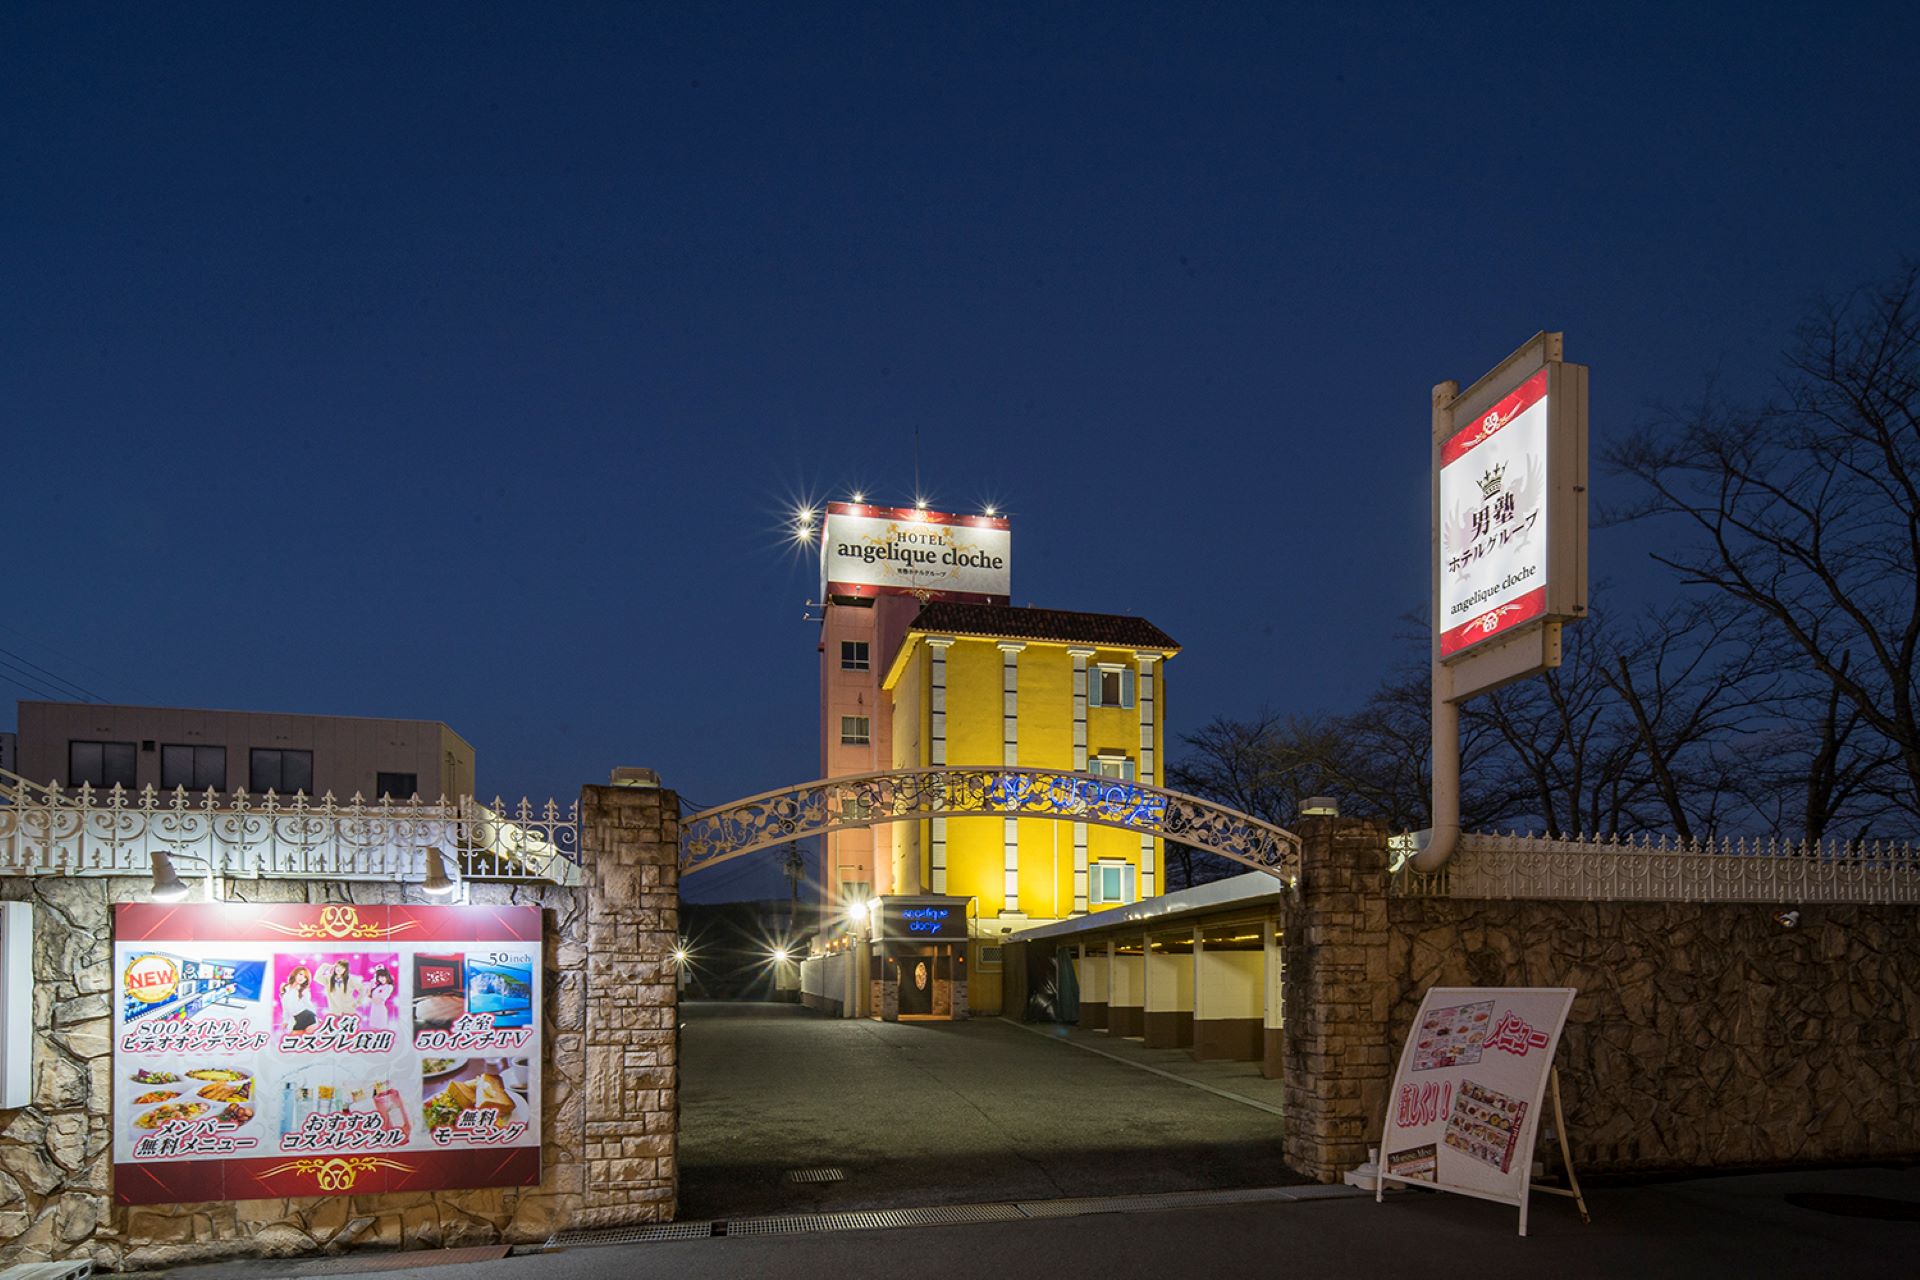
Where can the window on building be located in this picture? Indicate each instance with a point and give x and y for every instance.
(280, 771)
(193, 767)
(1110, 882)
(401, 786)
(1110, 687)
(856, 808)
(855, 731)
(1111, 764)
(853, 655)
(989, 957)
(100, 764)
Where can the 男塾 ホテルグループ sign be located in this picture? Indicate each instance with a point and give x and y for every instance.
(868, 550)
(294, 1050)
(1494, 486)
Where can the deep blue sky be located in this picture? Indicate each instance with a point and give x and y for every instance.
(460, 362)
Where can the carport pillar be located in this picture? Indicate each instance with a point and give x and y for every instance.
(1336, 997)
(1168, 1002)
(1094, 972)
(1127, 987)
(1273, 1060)
(630, 852)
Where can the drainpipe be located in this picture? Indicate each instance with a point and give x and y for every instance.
(1436, 844)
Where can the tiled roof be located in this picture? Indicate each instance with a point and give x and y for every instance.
(1119, 631)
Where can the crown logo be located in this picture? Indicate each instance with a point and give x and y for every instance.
(1490, 482)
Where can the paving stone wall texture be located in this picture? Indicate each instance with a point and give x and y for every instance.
(608, 1151)
(1705, 1035)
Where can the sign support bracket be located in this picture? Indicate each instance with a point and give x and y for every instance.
(1572, 1189)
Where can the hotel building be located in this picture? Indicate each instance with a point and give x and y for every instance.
(925, 664)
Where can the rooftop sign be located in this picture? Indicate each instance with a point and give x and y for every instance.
(873, 551)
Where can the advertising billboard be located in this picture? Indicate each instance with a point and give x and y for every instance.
(1493, 520)
(1466, 1100)
(1510, 518)
(295, 1050)
(870, 551)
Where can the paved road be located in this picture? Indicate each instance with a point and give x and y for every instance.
(938, 1113)
(1700, 1230)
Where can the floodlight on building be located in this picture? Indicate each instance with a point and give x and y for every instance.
(437, 882)
(859, 497)
(167, 884)
(780, 955)
(857, 911)
(991, 510)
(680, 955)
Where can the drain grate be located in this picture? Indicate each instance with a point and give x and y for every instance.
(1854, 1206)
(816, 1175)
(633, 1235)
(369, 1263)
(1170, 1200)
(782, 1224)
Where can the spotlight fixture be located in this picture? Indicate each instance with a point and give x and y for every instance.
(167, 884)
(437, 882)
(859, 497)
(992, 510)
(679, 955)
(780, 955)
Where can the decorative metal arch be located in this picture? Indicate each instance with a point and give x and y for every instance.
(715, 835)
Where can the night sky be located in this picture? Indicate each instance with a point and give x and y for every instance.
(463, 363)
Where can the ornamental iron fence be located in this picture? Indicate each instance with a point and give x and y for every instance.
(904, 795)
(47, 830)
(1652, 868)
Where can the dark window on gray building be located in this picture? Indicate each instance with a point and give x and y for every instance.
(280, 771)
(193, 767)
(102, 764)
(401, 786)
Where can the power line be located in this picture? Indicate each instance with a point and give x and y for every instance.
(86, 694)
(38, 693)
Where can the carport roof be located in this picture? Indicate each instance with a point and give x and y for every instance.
(1235, 891)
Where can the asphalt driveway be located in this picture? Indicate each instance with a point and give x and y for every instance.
(938, 1113)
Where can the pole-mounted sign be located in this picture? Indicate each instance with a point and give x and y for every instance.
(1510, 518)
(1509, 543)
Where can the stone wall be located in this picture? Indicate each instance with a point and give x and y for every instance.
(609, 1117)
(1334, 1004)
(1705, 1035)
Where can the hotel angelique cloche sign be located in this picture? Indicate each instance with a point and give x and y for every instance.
(870, 551)
(1511, 508)
(295, 1050)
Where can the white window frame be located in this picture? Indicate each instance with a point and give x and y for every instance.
(1096, 685)
(1096, 882)
(1119, 762)
(847, 731)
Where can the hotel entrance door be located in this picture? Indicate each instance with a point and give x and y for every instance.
(916, 985)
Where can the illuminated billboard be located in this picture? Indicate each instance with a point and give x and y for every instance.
(1511, 537)
(873, 551)
(297, 1050)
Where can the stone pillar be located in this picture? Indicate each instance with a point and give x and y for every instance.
(1336, 997)
(630, 847)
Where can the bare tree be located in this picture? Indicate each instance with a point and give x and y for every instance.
(1806, 511)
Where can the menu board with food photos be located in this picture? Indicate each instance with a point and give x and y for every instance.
(293, 1050)
(1466, 1101)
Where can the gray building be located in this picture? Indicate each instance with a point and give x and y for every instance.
(166, 747)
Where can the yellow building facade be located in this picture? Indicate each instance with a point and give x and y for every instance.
(994, 686)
